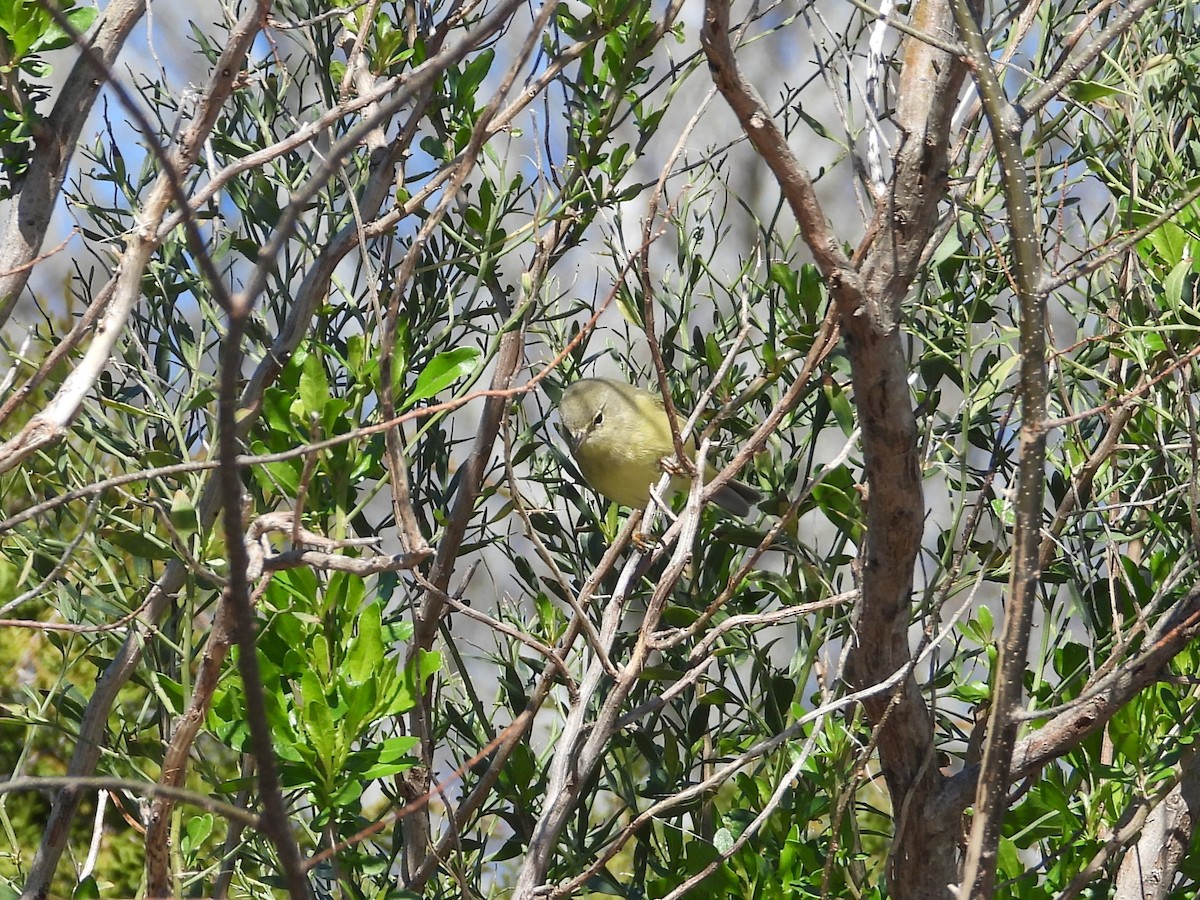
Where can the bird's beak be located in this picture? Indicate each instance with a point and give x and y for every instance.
(570, 437)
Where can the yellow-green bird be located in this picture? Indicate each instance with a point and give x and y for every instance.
(619, 434)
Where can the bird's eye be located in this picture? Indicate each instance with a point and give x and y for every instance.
(599, 420)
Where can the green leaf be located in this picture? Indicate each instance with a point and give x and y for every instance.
(445, 369)
(475, 71)
(141, 544)
(1008, 860)
(1088, 92)
(183, 514)
(199, 830)
(319, 726)
(55, 38)
(392, 757)
(86, 889)
(314, 386)
(366, 648)
(992, 384)
(404, 692)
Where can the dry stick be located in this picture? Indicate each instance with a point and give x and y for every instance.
(704, 648)
(426, 619)
(30, 210)
(979, 869)
(411, 536)
(549, 677)
(877, 65)
(417, 828)
(1082, 26)
(564, 584)
(581, 745)
(76, 784)
(69, 628)
(1142, 388)
(335, 13)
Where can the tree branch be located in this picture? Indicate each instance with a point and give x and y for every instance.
(979, 870)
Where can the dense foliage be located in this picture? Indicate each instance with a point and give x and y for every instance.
(370, 243)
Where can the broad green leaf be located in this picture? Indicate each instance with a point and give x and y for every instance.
(445, 369)
(366, 648)
(55, 38)
(183, 513)
(314, 385)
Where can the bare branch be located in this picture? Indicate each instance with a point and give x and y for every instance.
(979, 869)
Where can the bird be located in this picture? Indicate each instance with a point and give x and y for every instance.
(620, 434)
